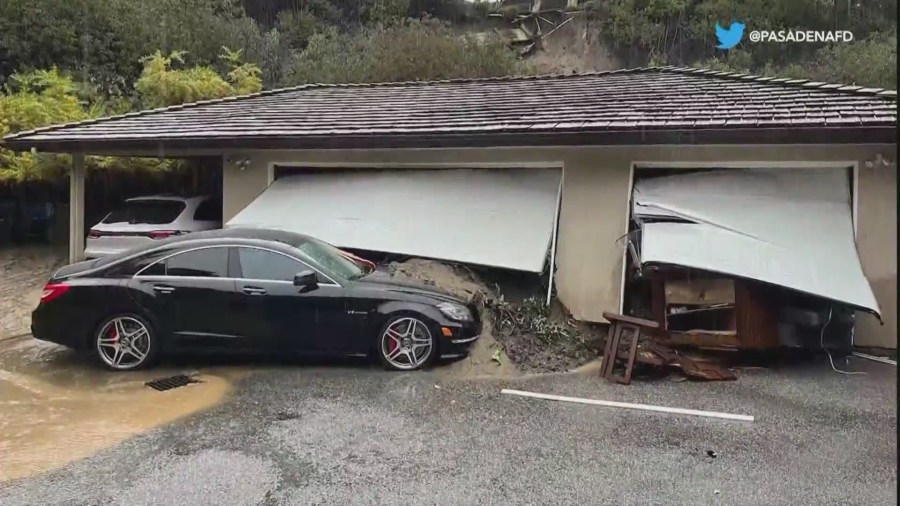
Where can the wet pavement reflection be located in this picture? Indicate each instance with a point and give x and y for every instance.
(57, 405)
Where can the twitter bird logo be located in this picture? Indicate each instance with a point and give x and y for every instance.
(730, 37)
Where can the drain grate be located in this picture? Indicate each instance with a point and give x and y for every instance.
(171, 382)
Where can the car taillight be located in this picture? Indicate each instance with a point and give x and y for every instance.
(52, 291)
(93, 234)
(162, 234)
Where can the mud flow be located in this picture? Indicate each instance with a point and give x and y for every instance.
(57, 406)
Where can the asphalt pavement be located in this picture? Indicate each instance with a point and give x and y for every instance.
(349, 435)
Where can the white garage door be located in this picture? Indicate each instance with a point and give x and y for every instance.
(494, 217)
(788, 227)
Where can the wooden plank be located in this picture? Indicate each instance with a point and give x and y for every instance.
(632, 351)
(640, 322)
(705, 339)
(754, 318)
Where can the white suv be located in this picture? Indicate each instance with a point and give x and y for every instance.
(144, 219)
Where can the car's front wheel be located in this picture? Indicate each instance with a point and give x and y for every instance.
(125, 342)
(405, 343)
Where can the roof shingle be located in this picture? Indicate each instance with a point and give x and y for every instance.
(636, 100)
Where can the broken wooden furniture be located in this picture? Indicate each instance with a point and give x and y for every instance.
(619, 349)
(694, 309)
(657, 354)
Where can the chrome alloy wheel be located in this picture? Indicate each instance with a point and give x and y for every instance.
(123, 343)
(406, 344)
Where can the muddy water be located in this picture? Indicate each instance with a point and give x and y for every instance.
(57, 406)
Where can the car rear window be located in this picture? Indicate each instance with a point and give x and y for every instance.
(151, 212)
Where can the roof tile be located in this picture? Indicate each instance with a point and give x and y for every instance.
(663, 98)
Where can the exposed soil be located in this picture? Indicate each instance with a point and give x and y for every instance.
(573, 48)
(465, 284)
(529, 336)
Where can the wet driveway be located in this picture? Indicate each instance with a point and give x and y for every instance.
(58, 406)
(357, 435)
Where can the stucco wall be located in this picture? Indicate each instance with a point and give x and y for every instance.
(596, 190)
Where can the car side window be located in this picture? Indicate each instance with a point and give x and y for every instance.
(209, 210)
(206, 262)
(156, 269)
(267, 265)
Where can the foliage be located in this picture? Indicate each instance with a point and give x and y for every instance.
(384, 11)
(102, 41)
(869, 62)
(36, 99)
(243, 77)
(483, 8)
(532, 317)
(161, 85)
(412, 50)
(46, 97)
(681, 32)
(509, 12)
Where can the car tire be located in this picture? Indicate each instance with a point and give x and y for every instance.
(400, 344)
(125, 342)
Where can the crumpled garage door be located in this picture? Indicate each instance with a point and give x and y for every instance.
(493, 217)
(788, 227)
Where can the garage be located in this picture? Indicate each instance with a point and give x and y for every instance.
(472, 152)
(504, 218)
(720, 244)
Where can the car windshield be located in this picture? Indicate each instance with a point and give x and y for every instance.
(330, 259)
(146, 211)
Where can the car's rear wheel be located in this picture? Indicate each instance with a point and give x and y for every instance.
(406, 343)
(125, 342)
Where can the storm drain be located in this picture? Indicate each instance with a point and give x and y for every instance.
(171, 382)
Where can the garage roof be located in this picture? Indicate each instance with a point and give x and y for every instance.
(646, 105)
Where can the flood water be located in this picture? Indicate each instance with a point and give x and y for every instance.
(57, 406)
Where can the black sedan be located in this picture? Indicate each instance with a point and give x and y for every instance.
(247, 291)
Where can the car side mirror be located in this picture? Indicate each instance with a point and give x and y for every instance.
(306, 279)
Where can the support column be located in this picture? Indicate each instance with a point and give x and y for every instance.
(76, 209)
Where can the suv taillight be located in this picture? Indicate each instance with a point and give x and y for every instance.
(52, 291)
(93, 234)
(162, 234)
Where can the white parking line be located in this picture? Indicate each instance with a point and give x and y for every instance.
(627, 405)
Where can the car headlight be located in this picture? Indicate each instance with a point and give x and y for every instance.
(455, 311)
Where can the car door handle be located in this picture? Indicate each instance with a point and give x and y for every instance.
(163, 288)
(253, 290)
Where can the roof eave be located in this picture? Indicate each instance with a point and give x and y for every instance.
(185, 146)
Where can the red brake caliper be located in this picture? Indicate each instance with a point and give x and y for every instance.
(392, 344)
(112, 334)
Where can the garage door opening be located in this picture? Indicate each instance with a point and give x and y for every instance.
(746, 258)
(497, 218)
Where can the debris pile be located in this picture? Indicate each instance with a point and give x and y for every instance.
(538, 340)
(633, 344)
(527, 335)
(486, 357)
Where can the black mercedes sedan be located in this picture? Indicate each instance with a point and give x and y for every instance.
(247, 291)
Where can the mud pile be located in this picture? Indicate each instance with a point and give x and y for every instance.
(464, 284)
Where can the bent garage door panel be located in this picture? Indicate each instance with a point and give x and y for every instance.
(493, 217)
(792, 228)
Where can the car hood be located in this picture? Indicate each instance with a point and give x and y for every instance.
(382, 281)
